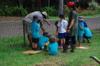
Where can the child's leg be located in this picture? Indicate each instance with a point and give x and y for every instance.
(66, 44)
(34, 43)
(80, 41)
(29, 39)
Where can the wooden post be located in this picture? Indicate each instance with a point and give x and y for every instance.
(24, 38)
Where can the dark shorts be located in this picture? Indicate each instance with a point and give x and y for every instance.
(62, 35)
(35, 40)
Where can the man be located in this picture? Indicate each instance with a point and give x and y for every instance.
(41, 16)
(75, 8)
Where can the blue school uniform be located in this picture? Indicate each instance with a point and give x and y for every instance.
(87, 32)
(53, 48)
(42, 41)
(35, 28)
(81, 28)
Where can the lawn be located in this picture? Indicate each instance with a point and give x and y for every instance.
(11, 54)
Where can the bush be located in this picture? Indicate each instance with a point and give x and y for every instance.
(91, 12)
(2, 13)
(19, 11)
(50, 10)
(12, 11)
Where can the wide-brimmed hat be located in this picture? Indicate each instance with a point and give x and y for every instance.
(45, 13)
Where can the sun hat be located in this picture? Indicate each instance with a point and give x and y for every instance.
(45, 13)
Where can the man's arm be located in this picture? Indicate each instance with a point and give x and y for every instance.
(71, 24)
(45, 20)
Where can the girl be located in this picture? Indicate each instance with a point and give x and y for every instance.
(62, 26)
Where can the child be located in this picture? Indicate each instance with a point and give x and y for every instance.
(87, 33)
(80, 30)
(43, 40)
(61, 27)
(53, 46)
(35, 28)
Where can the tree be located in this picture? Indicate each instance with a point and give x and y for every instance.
(61, 5)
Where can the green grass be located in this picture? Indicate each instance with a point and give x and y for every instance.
(11, 54)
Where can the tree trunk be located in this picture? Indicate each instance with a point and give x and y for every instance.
(61, 8)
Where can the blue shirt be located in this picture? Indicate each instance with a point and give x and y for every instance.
(53, 48)
(42, 41)
(87, 32)
(80, 28)
(35, 28)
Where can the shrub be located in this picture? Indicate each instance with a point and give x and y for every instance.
(12, 11)
(19, 11)
(50, 10)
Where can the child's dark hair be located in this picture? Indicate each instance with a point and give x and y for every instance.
(46, 34)
(62, 16)
(35, 17)
(52, 39)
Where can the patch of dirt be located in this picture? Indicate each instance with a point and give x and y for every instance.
(51, 64)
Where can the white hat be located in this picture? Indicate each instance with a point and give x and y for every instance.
(45, 13)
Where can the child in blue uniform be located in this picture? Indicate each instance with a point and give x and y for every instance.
(53, 46)
(35, 28)
(43, 40)
(87, 33)
(80, 30)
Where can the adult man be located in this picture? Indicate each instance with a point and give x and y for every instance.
(41, 16)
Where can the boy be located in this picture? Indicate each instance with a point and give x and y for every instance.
(87, 33)
(43, 40)
(80, 30)
(35, 28)
(53, 46)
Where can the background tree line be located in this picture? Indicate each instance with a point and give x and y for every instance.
(22, 7)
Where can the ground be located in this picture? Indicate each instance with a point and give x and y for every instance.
(11, 48)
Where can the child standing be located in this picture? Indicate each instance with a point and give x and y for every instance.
(62, 27)
(80, 30)
(53, 46)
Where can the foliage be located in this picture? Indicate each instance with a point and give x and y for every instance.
(19, 11)
(93, 5)
(13, 11)
(50, 10)
(90, 12)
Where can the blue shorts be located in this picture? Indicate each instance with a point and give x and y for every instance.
(62, 35)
